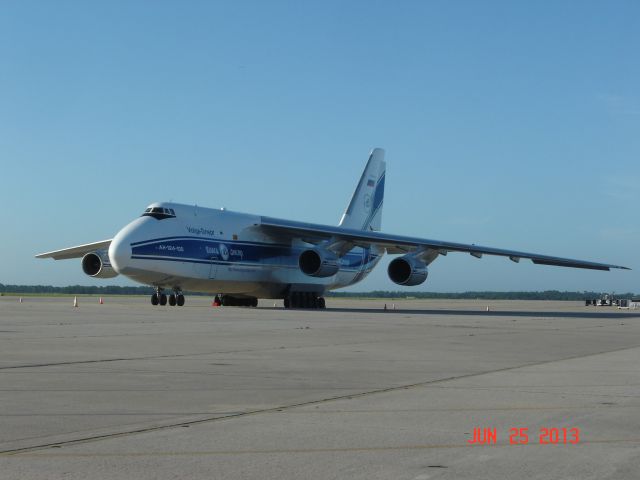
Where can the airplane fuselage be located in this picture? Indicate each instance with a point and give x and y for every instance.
(211, 250)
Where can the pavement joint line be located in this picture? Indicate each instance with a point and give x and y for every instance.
(181, 355)
(224, 352)
(320, 450)
(95, 438)
(82, 362)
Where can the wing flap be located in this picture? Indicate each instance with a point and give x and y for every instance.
(75, 252)
(402, 244)
(573, 264)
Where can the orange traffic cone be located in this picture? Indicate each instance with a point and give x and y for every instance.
(100, 301)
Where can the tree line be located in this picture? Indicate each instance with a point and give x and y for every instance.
(74, 290)
(484, 295)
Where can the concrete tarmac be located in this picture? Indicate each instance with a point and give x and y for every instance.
(126, 390)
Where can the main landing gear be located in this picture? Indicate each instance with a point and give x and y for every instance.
(229, 301)
(304, 300)
(160, 298)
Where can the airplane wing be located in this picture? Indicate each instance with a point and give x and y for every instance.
(395, 244)
(76, 252)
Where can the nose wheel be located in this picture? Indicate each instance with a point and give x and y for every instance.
(160, 298)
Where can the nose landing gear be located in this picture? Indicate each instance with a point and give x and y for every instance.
(160, 298)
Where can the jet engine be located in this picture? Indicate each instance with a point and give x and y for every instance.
(407, 271)
(318, 262)
(96, 264)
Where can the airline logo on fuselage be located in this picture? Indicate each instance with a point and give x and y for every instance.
(225, 253)
(201, 231)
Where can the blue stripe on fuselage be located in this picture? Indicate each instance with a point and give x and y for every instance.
(200, 250)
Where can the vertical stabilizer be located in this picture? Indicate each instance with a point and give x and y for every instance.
(365, 208)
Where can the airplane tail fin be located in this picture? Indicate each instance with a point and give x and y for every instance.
(365, 208)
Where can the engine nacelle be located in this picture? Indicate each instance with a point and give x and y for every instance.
(407, 271)
(318, 262)
(96, 264)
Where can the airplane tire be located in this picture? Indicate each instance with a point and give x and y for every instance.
(227, 301)
(163, 299)
(154, 299)
(180, 300)
(303, 300)
(172, 300)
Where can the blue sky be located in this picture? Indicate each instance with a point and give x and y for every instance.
(509, 124)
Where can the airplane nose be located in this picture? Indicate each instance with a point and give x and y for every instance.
(120, 252)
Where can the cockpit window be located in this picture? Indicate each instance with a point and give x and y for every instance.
(159, 213)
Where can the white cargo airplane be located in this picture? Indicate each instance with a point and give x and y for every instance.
(241, 257)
